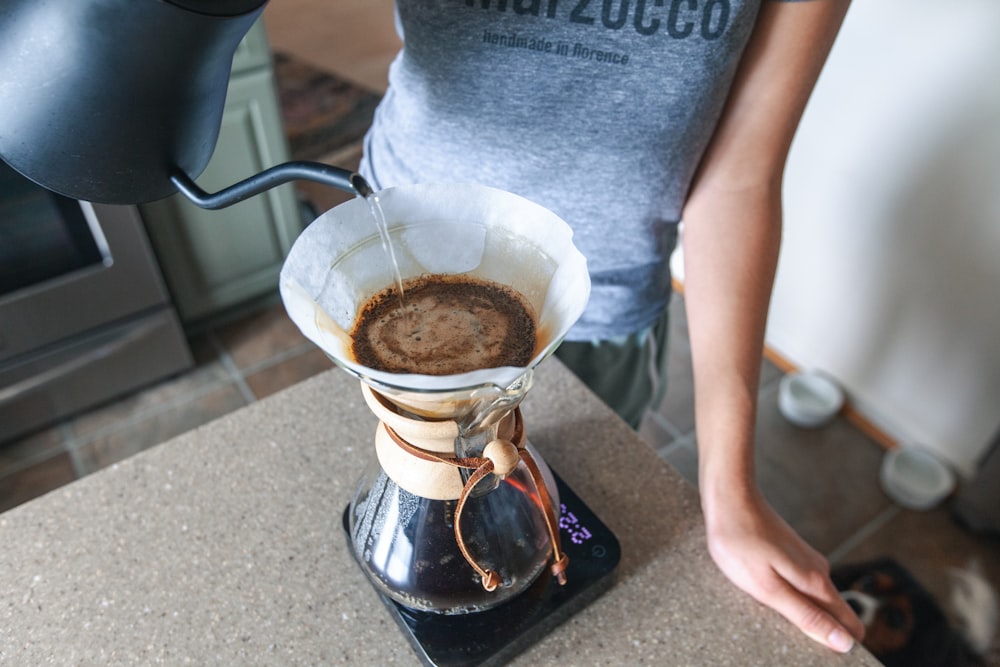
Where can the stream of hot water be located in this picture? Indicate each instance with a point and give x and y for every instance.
(383, 231)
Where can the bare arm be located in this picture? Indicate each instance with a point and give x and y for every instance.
(732, 233)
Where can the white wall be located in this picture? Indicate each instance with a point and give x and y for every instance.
(890, 271)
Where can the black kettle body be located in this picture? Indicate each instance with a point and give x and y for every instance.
(106, 100)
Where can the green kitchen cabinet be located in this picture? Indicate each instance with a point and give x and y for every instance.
(218, 260)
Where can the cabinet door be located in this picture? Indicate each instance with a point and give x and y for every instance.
(253, 50)
(213, 260)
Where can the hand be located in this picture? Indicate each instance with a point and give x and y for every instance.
(762, 555)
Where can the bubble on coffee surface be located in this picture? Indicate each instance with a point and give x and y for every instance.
(448, 325)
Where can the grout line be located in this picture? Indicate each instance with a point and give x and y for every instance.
(672, 430)
(771, 386)
(688, 440)
(863, 533)
(278, 358)
(230, 367)
(72, 443)
(766, 390)
(72, 447)
(684, 442)
(665, 450)
(137, 416)
(41, 455)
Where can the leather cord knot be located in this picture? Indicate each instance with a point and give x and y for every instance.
(500, 457)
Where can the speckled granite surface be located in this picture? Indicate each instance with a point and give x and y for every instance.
(224, 546)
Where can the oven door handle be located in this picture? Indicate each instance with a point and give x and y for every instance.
(40, 381)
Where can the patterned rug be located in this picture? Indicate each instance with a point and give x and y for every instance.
(322, 114)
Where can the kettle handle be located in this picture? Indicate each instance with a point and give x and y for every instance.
(342, 179)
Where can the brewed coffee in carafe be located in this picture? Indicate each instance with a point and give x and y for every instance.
(456, 512)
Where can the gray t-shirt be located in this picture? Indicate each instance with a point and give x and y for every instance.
(599, 110)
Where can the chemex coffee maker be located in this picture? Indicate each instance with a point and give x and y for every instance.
(474, 544)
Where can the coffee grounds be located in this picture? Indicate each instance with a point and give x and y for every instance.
(448, 325)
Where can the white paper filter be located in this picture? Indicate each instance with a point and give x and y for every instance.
(338, 263)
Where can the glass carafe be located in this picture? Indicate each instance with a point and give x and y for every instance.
(402, 519)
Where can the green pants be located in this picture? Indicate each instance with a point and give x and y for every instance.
(628, 374)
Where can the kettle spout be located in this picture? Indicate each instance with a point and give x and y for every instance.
(361, 186)
(341, 179)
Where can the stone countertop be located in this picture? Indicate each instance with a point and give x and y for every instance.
(225, 546)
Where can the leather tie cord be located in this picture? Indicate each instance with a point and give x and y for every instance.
(501, 458)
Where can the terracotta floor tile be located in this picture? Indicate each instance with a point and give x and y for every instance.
(133, 436)
(273, 379)
(208, 371)
(824, 482)
(260, 336)
(684, 457)
(678, 404)
(769, 373)
(35, 480)
(655, 431)
(22, 453)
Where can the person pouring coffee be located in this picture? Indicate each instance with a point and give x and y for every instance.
(625, 119)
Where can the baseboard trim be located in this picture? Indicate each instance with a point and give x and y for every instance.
(848, 412)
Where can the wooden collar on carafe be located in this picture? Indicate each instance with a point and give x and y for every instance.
(500, 457)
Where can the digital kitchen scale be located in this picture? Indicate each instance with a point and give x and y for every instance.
(495, 636)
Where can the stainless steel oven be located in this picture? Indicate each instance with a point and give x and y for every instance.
(84, 313)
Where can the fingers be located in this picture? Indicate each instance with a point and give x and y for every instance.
(814, 618)
(832, 602)
(817, 586)
(762, 555)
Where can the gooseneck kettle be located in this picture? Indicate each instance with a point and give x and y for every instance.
(121, 101)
